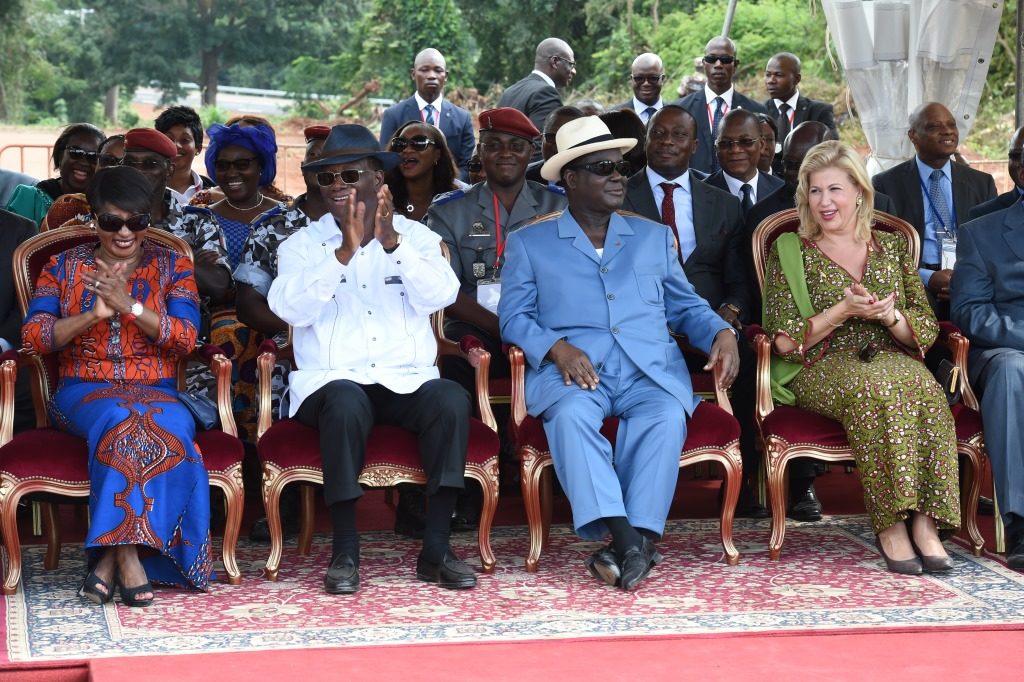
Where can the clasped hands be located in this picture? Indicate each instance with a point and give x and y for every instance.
(352, 224)
(110, 284)
(859, 302)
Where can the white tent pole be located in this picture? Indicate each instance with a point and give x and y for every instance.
(1020, 65)
(731, 10)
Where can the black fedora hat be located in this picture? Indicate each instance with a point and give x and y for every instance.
(350, 142)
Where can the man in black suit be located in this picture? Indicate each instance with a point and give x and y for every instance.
(708, 227)
(428, 104)
(14, 229)
(785, 103)
(718, 97)
(1006, 199)
(738, 150)
(537, 94)
(934, 194)
(647, 77)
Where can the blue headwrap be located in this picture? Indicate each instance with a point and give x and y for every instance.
(259, 139)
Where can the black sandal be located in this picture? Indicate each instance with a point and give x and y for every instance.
(129, 594)
(90, 590)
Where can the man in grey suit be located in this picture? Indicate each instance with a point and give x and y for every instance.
(738, 150)
(787, 106)
(715, 100)
(1006, 199)
(428, 105)
(710, 245)
(537, 94)
(934, 194)
(646, 77)
(987, 303)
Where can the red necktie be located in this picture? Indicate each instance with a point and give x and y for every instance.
(668, 214)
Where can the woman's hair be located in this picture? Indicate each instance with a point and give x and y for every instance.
(120, 186)
(835, 154)
(65, 136)
(625, 123)
(444, 173)
(111, 140)
(259, 139)
(181, 116)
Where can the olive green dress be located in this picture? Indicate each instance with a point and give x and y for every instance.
(895, 414)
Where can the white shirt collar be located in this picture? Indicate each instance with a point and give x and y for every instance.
(710, 96)
(547, 78)
(420, 102)
(639, 106)
(791, 101)
(185, 197)
(735, 184)
(656, 179)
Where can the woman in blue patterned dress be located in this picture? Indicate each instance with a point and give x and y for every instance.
(120, 313)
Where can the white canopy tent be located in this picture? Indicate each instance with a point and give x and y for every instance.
(897, 54)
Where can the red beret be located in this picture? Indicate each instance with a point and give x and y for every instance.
(508, 120)
(316, 133)
(150, 140)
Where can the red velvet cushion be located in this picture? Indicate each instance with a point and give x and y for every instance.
(795, 425)
(703, 382)
(501, 387)
(289, 443)
(220, 450)
(968, 422)
(709, 427)
(46, 453)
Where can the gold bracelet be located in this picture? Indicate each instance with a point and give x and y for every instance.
(824, 313)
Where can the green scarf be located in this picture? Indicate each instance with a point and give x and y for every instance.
(792, 262)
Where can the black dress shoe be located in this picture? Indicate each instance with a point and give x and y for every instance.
(805, 507)
(637, 563)
(986, 507)
(933, 564)
(451, 573)
(604, 565)
(901, 566)
(1015, 555)
(342, 576)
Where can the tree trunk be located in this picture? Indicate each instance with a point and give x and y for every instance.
(208, 77)
(110, 104)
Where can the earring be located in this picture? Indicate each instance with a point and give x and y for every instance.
(860, 200)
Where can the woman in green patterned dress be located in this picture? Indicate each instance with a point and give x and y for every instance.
(865, 289)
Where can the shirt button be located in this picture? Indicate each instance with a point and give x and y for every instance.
(615, 330)
(611, 297)
(401, 293)
(324, 244)
(398, 262)
(603, 270)
(373, 364)
(369, 312)
(373, 339)
(364, 286)
(599, 366)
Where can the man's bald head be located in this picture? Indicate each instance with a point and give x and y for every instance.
(782, 76)
(720, 43)
(554, 57)
(647, 76)
(800, 141)
(934, 133)
(430, 73)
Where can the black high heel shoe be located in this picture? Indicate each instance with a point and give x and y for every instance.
(901, 566)
(933, 564)
(90, 591)
(129, 595)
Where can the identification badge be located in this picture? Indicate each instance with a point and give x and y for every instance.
(479, 269)
(948, 253)
(478, 230)
(488, 293)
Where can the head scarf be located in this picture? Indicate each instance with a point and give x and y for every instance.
(259, 139)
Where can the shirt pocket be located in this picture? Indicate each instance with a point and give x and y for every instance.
(649, 287)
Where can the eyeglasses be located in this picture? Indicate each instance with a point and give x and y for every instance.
(79, 154)
(418, 143)
(743, 142)
(514, 146)
(721, 58)
(606, 168)
(145, 164)
(675, 135)
(240, 165)
(349, 176)
(108, 222)
(572, 64)
(108, 161)
(652, 79)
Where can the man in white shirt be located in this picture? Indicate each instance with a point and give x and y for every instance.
(738, 148)
(647, 77)
(358, 287)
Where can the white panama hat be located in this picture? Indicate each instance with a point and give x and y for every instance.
(580, 137)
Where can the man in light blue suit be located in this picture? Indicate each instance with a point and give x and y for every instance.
(428, 105)
(590, 296)
(987, 303)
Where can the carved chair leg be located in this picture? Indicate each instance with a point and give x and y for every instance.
(234, 501)
(546, 502)
(51, 526)
(777, 496)
(11, 541)
(307, 504)
(272, 506)
(970, 490)
(529, 474)
(488, 479)
(732, 472)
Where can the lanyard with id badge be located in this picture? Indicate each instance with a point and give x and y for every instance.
(488, 291)
(946, 234)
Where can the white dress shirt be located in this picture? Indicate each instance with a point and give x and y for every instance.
(547, 78)
(682, 202)
(422, 103)
(639, 107)
(368, 321)
(791, 102)
(185, 197)
(736, 186)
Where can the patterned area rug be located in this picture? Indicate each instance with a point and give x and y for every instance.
(830, 578)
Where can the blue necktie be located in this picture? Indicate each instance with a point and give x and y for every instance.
(648, 112)
(938, 198)
(719, 103)
(747, 201)
(428, 114)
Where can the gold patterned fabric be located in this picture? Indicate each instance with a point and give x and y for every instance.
(895, 414)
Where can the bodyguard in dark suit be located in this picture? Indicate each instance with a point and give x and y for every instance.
(933, 194)
(987, 303)
(738, 150)
(14, 229)
(646, 77)
(785, 103)
(1006, 199)
(537, 94)
(430, 74)
(719, 65)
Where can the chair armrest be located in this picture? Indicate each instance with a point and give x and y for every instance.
(8, 374)
(763, 348)
(721, 394)
(216, 359)
(470, 349)
(517, 361)
(265, 362)
(958, 345)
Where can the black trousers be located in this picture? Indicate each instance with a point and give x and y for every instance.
(344, 412)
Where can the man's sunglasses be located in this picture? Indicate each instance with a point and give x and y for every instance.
(744, 142)
(606, 168)
(108, 222)
(79, 154)
(349, 176)
(653, 80)
(721, 58)
(240, 165)
(418, 143)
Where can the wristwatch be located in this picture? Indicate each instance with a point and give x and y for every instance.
(729, 306)
(895, 319)
(133, 312)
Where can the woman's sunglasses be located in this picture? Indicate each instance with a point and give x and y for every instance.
(79, 154)
(108, 222)
(240, 165)
(349, 176)
(418, 143)
(606, 168)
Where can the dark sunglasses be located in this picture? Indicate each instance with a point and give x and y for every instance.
(145, 164)
(79, 154)
(349, 176)
(108, 222)
(721, 58)
(418, 143)
(744, 142)
(240, 165)
(606, 168)
(653, 80)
